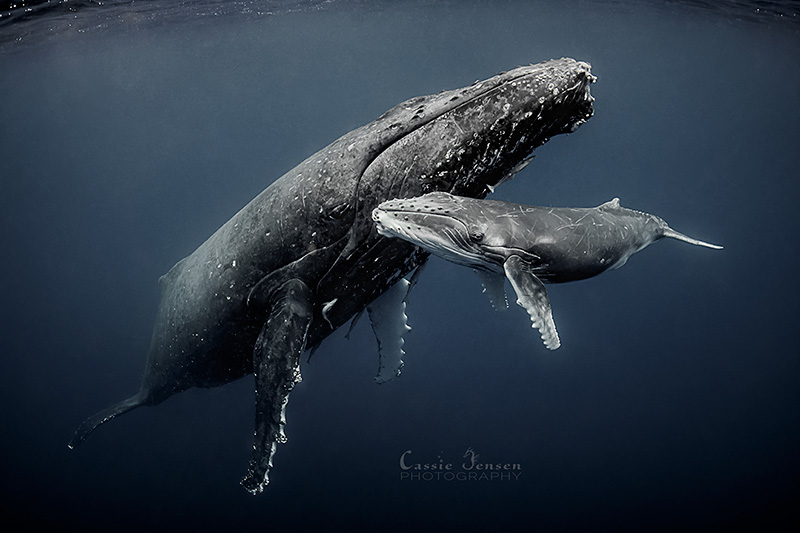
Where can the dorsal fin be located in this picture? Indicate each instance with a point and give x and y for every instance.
(611, 204)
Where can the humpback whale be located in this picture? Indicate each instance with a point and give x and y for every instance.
(528, 245)
(303, 257)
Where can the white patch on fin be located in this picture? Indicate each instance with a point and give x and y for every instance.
(326, 308)
(494, 287)
(532, 296)
(387, 313)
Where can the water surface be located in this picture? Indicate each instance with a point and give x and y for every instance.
(131, 131)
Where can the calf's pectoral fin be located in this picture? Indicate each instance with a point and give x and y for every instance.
(532, 295)
(276, 366)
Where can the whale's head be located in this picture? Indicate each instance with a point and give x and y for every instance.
(463, 141)
(466, 141)
(461, 230)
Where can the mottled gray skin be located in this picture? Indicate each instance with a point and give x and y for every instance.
(561, 244)
(255, 290)
(528, 245)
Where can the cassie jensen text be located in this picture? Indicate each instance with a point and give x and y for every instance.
(468, 469)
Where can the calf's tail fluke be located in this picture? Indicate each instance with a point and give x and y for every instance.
(109, 413)
(669, 232)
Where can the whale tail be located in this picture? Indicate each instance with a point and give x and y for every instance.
(669, 232)
(90, 424)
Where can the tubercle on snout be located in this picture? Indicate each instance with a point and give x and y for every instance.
(428, 203)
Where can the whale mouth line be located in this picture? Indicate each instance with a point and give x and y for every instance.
(448, 241)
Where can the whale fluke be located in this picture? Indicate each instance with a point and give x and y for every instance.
(91, 423)
(669, 232)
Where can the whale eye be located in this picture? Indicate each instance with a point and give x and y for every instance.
(475, 234)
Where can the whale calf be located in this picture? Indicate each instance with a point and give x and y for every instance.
(303, 257)
(528, 245)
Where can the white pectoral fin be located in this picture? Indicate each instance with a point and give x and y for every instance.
(532, 295)
(387, 313)
(493, 286)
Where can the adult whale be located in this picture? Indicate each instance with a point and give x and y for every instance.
(303, 257)
(526, 244)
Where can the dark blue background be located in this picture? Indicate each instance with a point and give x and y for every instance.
(126, 141)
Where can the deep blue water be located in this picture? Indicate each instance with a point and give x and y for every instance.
(126, 138)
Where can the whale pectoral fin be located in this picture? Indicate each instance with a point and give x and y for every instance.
(494, 287)
(532, 295)
(415, 276)
(387, 313)
(276, 366)
(353, 323)
(310, 266)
